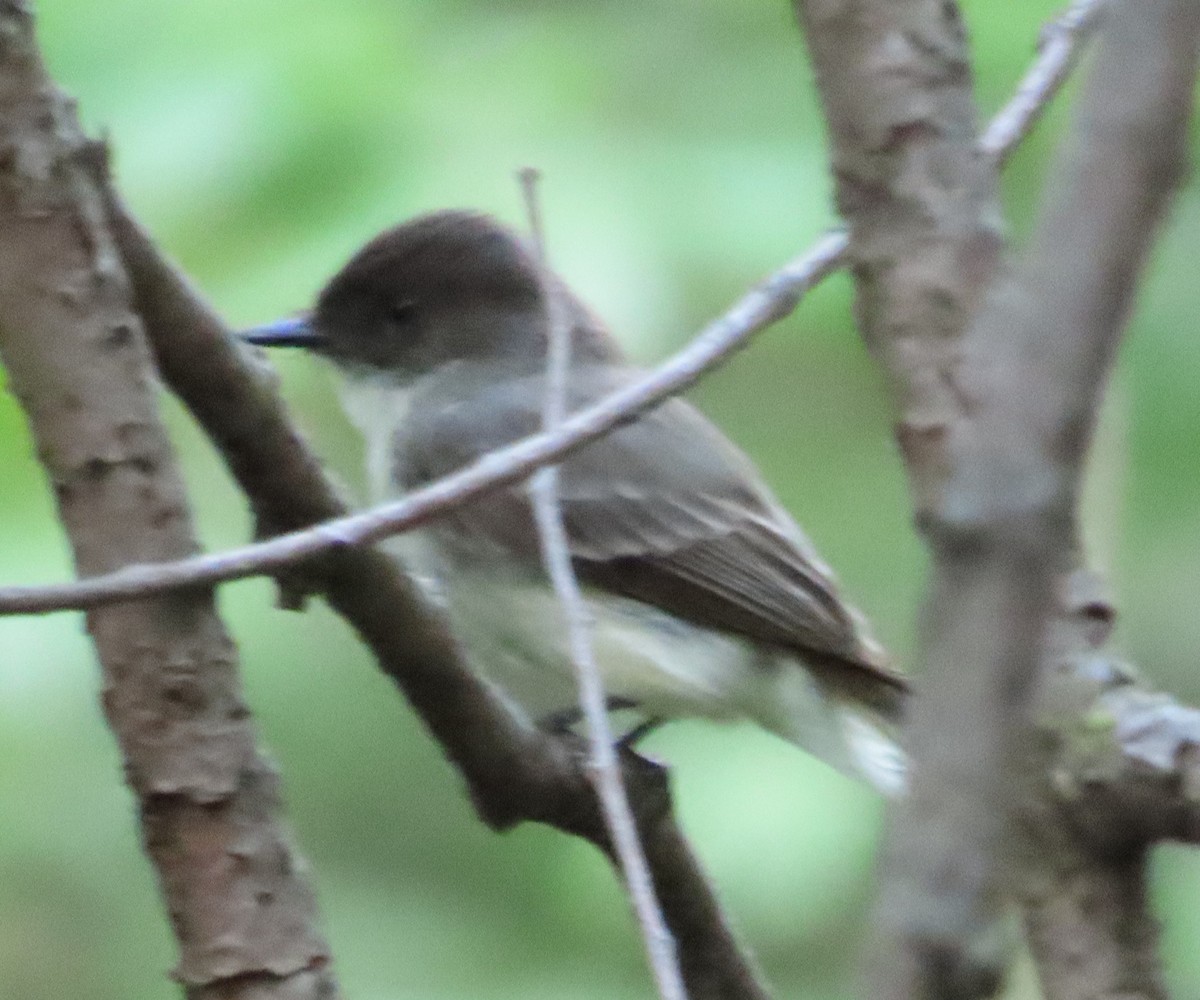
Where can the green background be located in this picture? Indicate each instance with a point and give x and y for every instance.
(261, 141)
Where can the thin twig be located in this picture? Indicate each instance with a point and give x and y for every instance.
(605, 769)
(769, 302)
(1057, 54)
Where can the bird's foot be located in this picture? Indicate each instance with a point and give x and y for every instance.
(565, 720)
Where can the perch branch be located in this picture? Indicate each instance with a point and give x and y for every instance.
(514, 773)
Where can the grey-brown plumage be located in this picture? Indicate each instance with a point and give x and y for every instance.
(664, 510)
(441, 325)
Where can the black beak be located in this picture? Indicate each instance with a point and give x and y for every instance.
(295, 332)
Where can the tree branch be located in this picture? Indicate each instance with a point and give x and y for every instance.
(247, 442)
(774, 299)
(244, 442)
(208, 801)
(1125, 157)
(894, 77)
(1058, 53)
(994, 425)
(514, 773)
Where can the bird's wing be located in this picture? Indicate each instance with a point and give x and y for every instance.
(664, 510)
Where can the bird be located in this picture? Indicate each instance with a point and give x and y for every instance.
(705, 597)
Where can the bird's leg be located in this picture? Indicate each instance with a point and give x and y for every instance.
(639, 732)
(565, 720)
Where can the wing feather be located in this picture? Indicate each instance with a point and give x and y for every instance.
(664, 510)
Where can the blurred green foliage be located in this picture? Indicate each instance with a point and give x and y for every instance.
(261, 141)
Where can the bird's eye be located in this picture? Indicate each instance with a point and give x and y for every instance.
(402, 312)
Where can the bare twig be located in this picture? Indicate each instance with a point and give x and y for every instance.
(1059, 51)
(542, 787)
(771, 301)
(605, 769)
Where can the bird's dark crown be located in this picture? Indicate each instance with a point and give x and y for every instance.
(446, 285)
(452, 285)
(444, 255)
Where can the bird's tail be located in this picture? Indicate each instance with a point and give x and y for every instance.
(874, 750)
(823, 711)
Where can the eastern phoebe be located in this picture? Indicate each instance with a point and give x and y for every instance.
(706, 597)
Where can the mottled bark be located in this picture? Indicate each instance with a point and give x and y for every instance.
(209, 801)
(996, 376)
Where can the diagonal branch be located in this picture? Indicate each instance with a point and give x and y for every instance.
(514, 773)
(771, 301)
(1059, 52)
(1124, 159)
(1035, 364)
